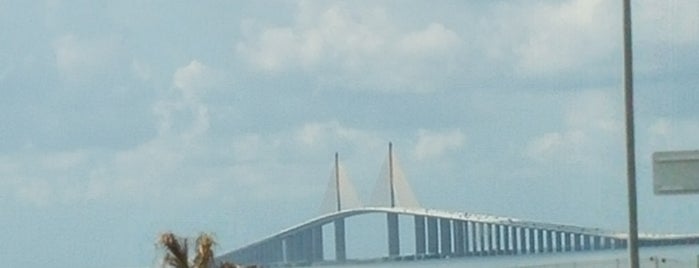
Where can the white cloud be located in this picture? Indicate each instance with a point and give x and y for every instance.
(434, 144)
(556, 144)
(141, 70)
(435, 39)
(563, 36)
(358, 46)
(322, 134)
(669, 22)
(673, 134)
(80, 58)
(63, 160)
(35, 192)
(334, 33)
(590, 123)
(195, 76)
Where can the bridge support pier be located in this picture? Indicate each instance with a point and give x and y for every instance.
(532, 240)
(340, 246)
(317, 244)
(477, 238)
(487, 245)
(277, 248)
(307, 245)
(521, 231)
(607, 243)
(539, 241)
(432, 236)
(459, 236)
(587, 243)
(496, 240)
(549, 241)
(596, 242)
(578, 242)
(566, 241)
(419, 235)
(393, 235)
(559, 241)
(445, 236)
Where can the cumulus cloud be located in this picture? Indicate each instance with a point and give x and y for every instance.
(318, 134)
(668, 22)
(194, 76)
(435, 39)
(81, 58)
(673, 134)
(35, 192)
(564, 36)
(362, 45)
(434, 144)
(334, 33)
(590, 123)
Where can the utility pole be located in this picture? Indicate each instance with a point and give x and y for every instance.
(630, 142)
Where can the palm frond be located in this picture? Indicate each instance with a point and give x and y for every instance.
(205, 255)
(177, 250)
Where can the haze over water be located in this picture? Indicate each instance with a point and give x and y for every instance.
(675, 257)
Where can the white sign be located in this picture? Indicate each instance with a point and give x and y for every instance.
(676, 172)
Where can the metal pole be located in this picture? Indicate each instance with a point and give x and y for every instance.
(337, 181)
(630, 143)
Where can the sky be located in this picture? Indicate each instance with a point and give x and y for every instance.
(120, 120)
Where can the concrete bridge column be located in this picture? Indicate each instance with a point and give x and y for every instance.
(522, 240)
(393, 235)
(288, 249)
(260, 252)
(340, 246)
(267, 251)
(559, 241)
(532, 240)
(317, 243)
(587, 245)
(445, 236)
(468, 237)
(293, 248)
(540, 240)
(596, 242)
(480, 239)
(620, 243)
(496, 240)
(458, 237)
(578, 242)
(307, 245)
(473, 236)
(487, 233)
(549, 241)
(432, 236)
(419, 235)
(567, 241)
(606, 243)
(277, 248)
(506, 239)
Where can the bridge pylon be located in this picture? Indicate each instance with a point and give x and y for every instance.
(340, 194)
(392, 188)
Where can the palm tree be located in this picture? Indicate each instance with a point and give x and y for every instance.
(177, 252)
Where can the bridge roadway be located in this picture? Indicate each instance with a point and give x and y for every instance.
(440, 234)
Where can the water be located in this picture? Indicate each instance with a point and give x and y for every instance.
(667, 257)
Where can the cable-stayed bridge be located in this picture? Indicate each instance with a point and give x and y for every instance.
(436, 234)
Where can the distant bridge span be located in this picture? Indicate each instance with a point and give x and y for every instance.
(440, 234)
(437, 233)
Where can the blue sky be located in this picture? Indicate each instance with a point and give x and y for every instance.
(124, 119)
